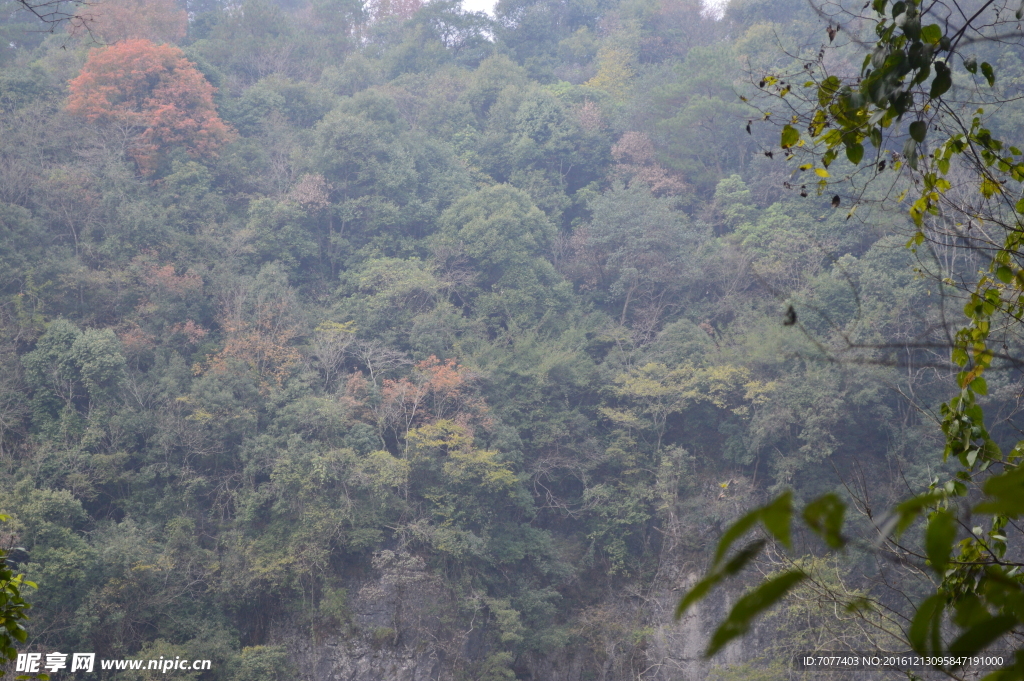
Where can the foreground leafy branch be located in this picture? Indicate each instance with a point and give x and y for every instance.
(13, 608)
(978, 590)
(900, 98)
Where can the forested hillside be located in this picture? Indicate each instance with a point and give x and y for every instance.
(301, 299)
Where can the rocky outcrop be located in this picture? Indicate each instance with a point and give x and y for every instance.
(406, 626)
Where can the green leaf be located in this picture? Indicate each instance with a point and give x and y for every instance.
(824, 516)
(910, 153)
(908, 511)
(750, 606)
(912, 28)
(1005, 494)
(699, 591)
(878, 56)
(734, 532)
(931, 34)
(790, 136)
(990, 75)
(918, 130)
(777, 518)
(854, 153)
(971, 64)
(938, 540)
(827, 90)
(969, 611)
(989, 188)
(942, 82)
(923, 74)
(978, 637)
(875, 135)
(925, 628)
(701, 588)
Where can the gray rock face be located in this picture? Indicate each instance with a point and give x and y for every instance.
(395, 628)
(405, 626)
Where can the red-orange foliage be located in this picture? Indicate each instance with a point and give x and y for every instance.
(635, 155)
(261, 338)
(436, 390)
(163, 278)
(111, 21)
(136, 341)
(153, 91)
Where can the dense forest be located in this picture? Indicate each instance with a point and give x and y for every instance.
(493, 322)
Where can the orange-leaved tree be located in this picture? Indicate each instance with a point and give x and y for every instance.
(154, 96)
(259, 333)
(435, 391)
